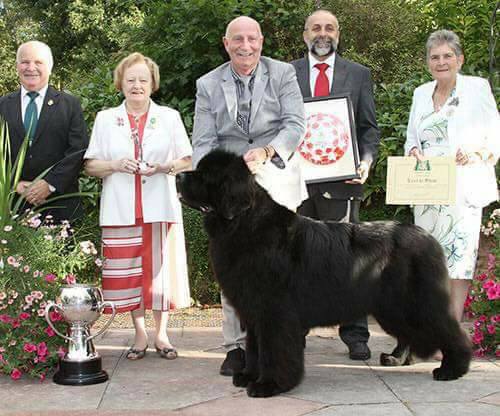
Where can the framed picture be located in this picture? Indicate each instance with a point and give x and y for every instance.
(329, 150)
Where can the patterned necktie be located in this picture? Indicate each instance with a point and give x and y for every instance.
(31, 116)
(321, 88)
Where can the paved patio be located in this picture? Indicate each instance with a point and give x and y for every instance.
(190, 386)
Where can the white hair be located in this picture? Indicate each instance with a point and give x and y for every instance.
(42, 48)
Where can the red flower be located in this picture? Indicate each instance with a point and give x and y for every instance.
(15, 374)
(29, 347)
(49, 331)
(491, 329)
(15, 323)
(55, 316)
(5, 318)
(42, 350)
(24, 315)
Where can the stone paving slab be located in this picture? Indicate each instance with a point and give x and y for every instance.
(191, 386)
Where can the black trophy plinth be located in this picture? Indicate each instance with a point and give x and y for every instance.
(80, 373)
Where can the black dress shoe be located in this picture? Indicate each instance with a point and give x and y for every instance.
(359, 351)
(234, 362)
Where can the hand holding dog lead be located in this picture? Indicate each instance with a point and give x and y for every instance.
(254, 158)
(363, 170)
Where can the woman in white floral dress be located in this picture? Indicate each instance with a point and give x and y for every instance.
(456, 115)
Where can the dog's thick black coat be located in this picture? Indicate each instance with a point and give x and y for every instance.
(285, 273)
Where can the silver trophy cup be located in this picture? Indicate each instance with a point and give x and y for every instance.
(80, 306)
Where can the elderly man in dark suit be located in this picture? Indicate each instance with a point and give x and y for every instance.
(321, 73)
(252, 106)
(53, 122)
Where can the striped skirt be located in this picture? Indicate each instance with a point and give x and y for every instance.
(145, 267)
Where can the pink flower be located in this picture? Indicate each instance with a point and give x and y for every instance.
(3, 295)
(488, 284)
(479, 353)
(29, 299)
(478, 337)
(37, 294)
(493, 293)
(49, 331)
(491, 329)
(24, 315)
(2, 359)
(42, 377)
(55, 316)
(481, 276)
(495, 318)
(468, 300)
(70, 279)
(5, 318)
(482, 318)
(15, 323)
(50, 278)
(15, 374)
(26, 269)
(11, 260)
(29, 347)
(40, 312)
(42, 349)
(36, 273)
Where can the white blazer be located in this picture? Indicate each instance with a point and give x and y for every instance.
(164, 139)
(473, 126)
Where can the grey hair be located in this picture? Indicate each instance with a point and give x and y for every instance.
(442, 36)
(42, 47)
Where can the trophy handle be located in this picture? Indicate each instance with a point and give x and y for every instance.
(47, 318)
(101, 307)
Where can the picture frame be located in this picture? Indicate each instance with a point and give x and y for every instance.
(329, 151)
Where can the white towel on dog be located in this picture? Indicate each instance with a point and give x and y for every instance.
(285, 186)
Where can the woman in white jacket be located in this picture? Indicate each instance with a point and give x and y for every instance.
(136, 149)
(456, 115)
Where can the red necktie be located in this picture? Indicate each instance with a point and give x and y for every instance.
(322, 87)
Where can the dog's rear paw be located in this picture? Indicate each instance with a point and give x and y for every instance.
(266, 389)
(446, 373)
(242, 379)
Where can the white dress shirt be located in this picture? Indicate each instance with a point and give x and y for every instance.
(25, 99)
(314, 72)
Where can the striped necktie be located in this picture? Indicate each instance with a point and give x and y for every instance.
(31, 116)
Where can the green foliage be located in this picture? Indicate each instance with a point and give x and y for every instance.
(470, 20)
(204, 289)
(386, 36)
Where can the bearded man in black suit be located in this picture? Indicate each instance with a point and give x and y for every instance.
(321, 73)
(54, 124)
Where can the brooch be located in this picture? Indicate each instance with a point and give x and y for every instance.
(50, 102)
(152, 123)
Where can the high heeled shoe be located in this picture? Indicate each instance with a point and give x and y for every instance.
(135, 354)
(169, 353)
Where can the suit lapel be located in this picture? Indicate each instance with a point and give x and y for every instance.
(229, 89)
(340, 75)
(260, 83)
(302, 71)
(16, 119)
(49, 107)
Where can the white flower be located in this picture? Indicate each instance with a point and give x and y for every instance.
(7, 228)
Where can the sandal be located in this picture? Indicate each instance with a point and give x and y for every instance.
(167, 353)
(135, 354)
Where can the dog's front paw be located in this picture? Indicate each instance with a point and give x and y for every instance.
(266, 389)
(242, 379)
(389, 360)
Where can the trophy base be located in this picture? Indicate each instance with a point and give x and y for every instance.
(80, 373)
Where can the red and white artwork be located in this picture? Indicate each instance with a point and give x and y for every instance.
(326, 139)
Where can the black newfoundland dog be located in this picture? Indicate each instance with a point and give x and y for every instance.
(285, 273)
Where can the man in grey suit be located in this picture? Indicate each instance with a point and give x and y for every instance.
(324, 72)
(252, 106)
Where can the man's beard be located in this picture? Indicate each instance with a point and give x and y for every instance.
(323, 46)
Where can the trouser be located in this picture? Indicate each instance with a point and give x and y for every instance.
(322, 207)
(234, 335)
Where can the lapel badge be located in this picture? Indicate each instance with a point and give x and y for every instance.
(50, 102)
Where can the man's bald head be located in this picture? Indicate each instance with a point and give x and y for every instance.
(321, 13)
(245, 21)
